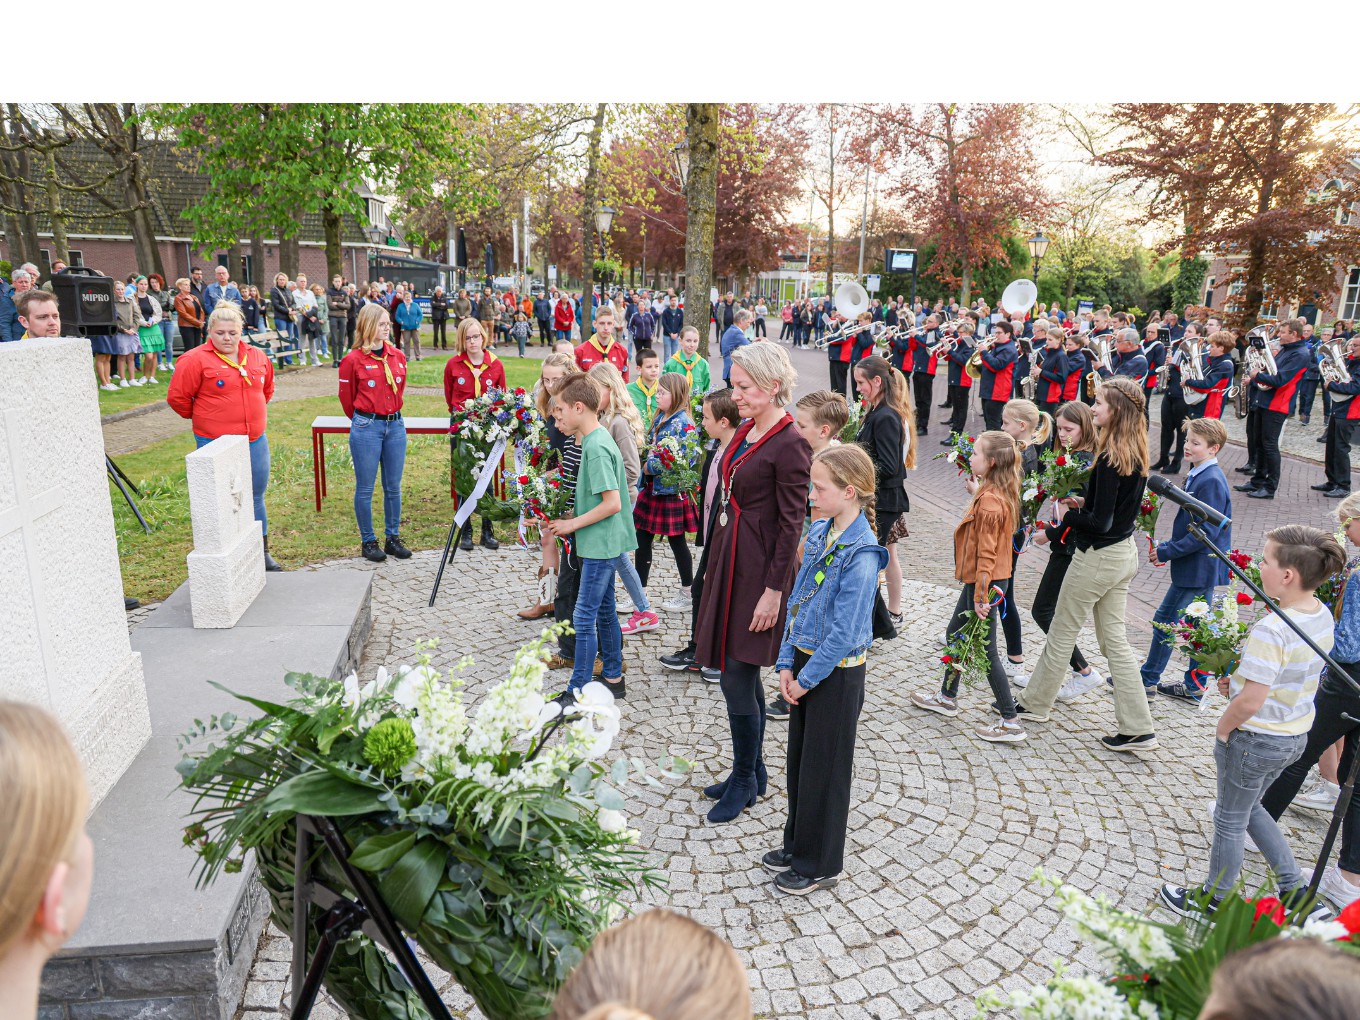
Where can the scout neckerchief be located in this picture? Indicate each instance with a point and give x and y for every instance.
(650, 395)
(732, 460)
(477, 370)
(595, 342)
(387, 369)
(241, 367)
(688, 366)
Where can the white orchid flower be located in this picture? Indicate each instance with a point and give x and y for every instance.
(1325, 931)
(614, 821)
(353, 696)
(410, 681)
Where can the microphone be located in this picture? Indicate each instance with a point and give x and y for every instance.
(1206, 514)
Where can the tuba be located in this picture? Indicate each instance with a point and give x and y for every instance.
(1259, 356)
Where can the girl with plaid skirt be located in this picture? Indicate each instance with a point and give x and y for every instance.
(660, 509)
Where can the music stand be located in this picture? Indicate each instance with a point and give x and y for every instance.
(124, 483)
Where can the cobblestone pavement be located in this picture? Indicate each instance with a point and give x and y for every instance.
(944, 830)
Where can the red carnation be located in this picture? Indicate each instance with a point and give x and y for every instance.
(1243, 599)
(1271, 907)
(1350, 917)
(554, 483)
(946, 659)
(523, 479)
(519, 391)
(1061, 461)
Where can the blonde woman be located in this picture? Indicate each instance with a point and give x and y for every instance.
(46, 858)
(149, 333)
(619, 978)
(619, 415)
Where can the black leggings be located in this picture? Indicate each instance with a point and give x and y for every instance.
(642, 559)
(1010, 622)
(996, 675)
(742, 688)
(1046, 601)
(760, 326)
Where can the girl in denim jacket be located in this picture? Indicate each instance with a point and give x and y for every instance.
(821, 668)
(660, 509)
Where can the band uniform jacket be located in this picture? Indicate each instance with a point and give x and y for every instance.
(756, 548)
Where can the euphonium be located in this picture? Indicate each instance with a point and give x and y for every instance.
(1101, 346)
(974, 366)
(1192, 365)
(1333, 368)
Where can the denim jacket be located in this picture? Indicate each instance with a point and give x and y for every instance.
(833, 619)
(676, 425)
(1347, 646)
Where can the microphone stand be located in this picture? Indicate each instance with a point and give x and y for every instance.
(1343, 800)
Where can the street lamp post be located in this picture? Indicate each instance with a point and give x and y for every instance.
(681, 156)
(1038, 246)
(604, 219)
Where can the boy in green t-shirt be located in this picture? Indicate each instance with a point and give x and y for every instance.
(602, 534)
(687, 362)
(643, 388)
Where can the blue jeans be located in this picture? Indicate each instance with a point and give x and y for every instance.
(168, 330)
(596, 624)
(1247, 764)
(259, 473)
(628, 574)
(371, 443)
(289, 328)
(672, 345)
(561, 334)
(1173, 603)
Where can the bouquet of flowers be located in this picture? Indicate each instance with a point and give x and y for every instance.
(1248, 564)
(537, 490)
(1161, 971)
(1032, 499)
(1062, 474)
(477, 427)
(1331, 590)
(966, 654)
(852, 426)
(679, 457)
(1148, 513)
(495, 832)
(960, 453)
(1211, 636)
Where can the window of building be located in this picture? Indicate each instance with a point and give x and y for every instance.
(45, 261)
(1350, 296)
(77, 257)
(1209, 292)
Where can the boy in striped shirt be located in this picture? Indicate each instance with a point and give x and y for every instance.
(1265, 726)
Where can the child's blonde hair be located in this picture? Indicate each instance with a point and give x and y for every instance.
(1040, 423)
(1003, 477)
(1311, 552)
(619, 976)
(826, 408)
(542, 395)
(1211, 430)
(1348, 509)
(620, 403)
(850, 467)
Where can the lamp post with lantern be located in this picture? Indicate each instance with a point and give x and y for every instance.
(1038, 246)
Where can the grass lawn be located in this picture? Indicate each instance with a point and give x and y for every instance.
(133, 396)
(429, 371)
(154, 565)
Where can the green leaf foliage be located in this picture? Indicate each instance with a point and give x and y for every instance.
(321, 793)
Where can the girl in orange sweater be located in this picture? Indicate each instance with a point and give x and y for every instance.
(982, 557)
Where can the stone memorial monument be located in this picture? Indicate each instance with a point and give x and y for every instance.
(226, 568)
(66, 632)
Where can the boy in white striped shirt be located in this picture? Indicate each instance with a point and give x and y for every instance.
(1270, 710)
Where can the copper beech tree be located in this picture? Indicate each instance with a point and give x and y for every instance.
(1265, 185)
(966, 174)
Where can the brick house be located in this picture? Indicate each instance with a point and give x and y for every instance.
(98, 242)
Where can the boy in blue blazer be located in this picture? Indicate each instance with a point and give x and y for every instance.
(1194, 570)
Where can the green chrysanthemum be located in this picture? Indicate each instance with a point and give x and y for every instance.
(389, 745)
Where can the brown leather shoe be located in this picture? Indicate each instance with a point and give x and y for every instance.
(556, 661)
(535, 612)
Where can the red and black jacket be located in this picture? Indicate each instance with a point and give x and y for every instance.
(1280, 389)
(1347, 389)
(921, 358)
(958, 358)
(1218, 376)
(998, 371)
(1052, 375)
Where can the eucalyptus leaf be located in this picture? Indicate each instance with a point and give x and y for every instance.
(608, 797)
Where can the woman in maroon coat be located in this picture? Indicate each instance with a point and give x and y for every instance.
(752, 558)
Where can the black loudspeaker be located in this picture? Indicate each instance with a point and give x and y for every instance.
(85, 300)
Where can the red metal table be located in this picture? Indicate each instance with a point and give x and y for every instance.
(332, 425)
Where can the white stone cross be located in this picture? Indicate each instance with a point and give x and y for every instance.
(24, 517)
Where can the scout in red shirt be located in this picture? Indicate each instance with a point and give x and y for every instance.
(602, 346)
(469, 373)
(372, 388)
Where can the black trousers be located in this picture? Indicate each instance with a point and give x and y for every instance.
(1173, 428)
(545, 331)
(996, 675)
(1334, 697)
(1046, 600)
(821, 768)
(785, 330)
(840, 370)
(564, 604)
(741, 687)
(696, 592)
(1338, 457)
(958, 404)
(923, 389)
(642, 559)
(760, 327)
(441, 333)
(991, 413)
(1010, 620)
(1263, 448)
(192, 336)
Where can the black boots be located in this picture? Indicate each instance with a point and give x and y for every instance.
(393, 547)
(716, 791)
(488, 539)
(742, 789)
(465, 538)
(270, 564)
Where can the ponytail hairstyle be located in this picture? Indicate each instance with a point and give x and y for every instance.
(1040, 423)
(619, 979)
(876, 366)
(1003, 477)
(1124, 441)
(542, 395)
(1079, 414)
(620, 403)
(43, 800)
(850, 467)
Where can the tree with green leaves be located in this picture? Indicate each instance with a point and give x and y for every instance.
(271, 162)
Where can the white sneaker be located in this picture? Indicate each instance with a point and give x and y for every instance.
(1320, 797)
(1012, 669)
(1079, 685)
(109, 387)
(623, 605)
(1020, 680)
(1246, 836)
(138, 382)
(1334, 886)
(681, 601)
(123, 384)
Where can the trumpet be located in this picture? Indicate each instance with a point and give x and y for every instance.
(842, 332)
(946, 345)
(884, 335)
